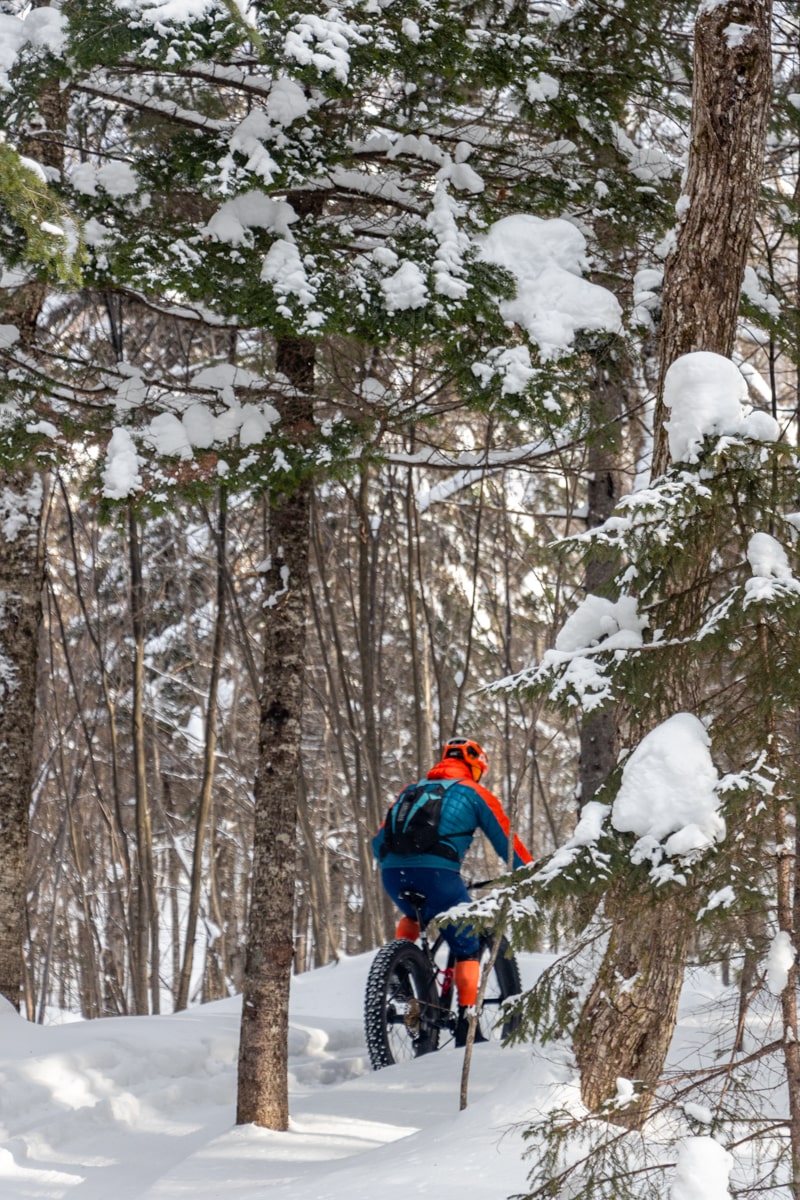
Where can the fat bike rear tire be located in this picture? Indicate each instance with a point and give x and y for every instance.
(503, 983)
(400, 1006)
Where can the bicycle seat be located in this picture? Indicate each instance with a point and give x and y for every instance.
(417, 899)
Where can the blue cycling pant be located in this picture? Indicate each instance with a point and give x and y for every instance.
(442, 888)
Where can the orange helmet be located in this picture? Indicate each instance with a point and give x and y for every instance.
(469, 752)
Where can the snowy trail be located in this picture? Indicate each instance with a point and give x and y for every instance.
(142, 1108)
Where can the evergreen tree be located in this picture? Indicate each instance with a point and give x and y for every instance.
(700, 816)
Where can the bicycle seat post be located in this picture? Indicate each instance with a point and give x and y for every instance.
(417, 901)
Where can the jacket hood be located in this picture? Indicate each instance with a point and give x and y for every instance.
(451, 768)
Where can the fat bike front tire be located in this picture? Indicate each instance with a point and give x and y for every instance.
(400, 1006)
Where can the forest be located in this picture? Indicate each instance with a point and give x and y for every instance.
(372, 373)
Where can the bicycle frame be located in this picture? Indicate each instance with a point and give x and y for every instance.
(443, 978)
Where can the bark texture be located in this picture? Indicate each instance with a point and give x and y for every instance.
(607, 404)
(731, 94)
(21, 580)
(20, 617)
(263, 1051)
(628, 1017)
(627, 1020)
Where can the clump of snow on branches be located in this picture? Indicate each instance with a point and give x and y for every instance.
(597, 626)
(780, 961)
(772, 575)
(553, 301)
(669, 793)
(702, 1171)
(705, 394)
(121, 473)
(41, 28)
(324, 43)
(405, 289)
(669, 797)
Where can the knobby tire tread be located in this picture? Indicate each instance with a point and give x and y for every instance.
(397, 960)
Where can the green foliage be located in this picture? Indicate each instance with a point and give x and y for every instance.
(39, 228)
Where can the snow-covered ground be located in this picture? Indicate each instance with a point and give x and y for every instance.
(142, 1108)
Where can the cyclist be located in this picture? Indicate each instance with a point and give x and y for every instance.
(465, 806)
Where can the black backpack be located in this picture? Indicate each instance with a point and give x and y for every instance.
(412, 823)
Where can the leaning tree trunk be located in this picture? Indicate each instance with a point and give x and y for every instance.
(626, 1023)
(263, 1091)
(731, 96)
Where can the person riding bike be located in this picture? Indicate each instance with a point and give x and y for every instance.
(465, 806)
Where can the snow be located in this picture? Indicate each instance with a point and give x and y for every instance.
(234, 219)
(669, 791)
(542, 88)
(121, 471)
(20, 512)
(285, 270)
(616, 624)
(772, 575)
(705, 394)
(287, 102)
(405, 288)
(752, 289)
(452, 245)
(702, 1171)
(42, 28)
(143, 1108)
(324, 43)
(247, 140)
(158, 12)
(767, 557)
(597, 626)
(411, 30)
(780, 961)
(553, 301)
(115, 178)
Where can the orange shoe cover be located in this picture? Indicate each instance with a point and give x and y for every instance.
(467, 978)
(408, 928)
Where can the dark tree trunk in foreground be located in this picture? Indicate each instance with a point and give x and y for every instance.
(263, 1088)
(20, 618)
(625, 1030)
(703, 277)
(21, 580)
(607, 404)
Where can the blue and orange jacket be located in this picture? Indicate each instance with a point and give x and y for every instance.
(466, 806)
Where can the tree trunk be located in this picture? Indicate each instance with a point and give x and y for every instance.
(21, 581)
(20, 616)
(625, 1030)
(627, 1020)
(263, 1093)
(144, 940)
(204, 804)
(598, 734)
(731, 94)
